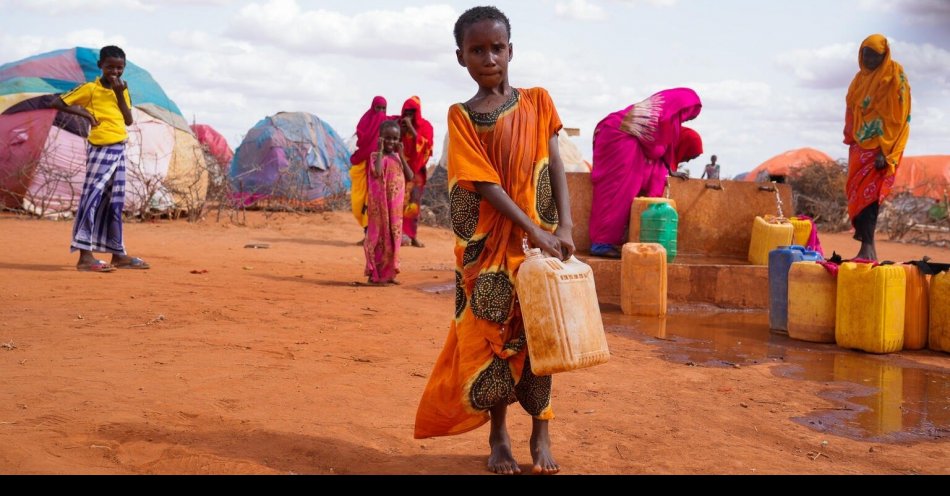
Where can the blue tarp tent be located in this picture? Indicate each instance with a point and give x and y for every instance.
(290, 156)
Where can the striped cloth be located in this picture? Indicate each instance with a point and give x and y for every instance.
(98, 225)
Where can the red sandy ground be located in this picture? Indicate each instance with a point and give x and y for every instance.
(271, 361)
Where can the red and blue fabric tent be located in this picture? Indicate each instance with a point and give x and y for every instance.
(291, 156)
(42, 151)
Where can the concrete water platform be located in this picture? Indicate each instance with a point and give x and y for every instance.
(715, 230)
(723, 283)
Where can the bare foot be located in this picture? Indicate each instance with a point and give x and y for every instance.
(544, 463)
(867, 252)
(501, 460)
(417, 243)
(360, 242)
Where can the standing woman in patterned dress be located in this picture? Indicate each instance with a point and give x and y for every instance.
(876, 128)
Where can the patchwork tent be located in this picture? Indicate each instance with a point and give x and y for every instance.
(291, 156)
(783, 164)
(216, 144)
(42, 151)
(924, 176)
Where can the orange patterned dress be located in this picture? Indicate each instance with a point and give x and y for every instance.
(484, 358)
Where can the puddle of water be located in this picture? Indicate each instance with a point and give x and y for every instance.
(437, 287)
(884, 398)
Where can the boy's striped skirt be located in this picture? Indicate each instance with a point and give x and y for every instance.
(98, 224)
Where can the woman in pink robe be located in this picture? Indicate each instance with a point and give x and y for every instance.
(634, 152)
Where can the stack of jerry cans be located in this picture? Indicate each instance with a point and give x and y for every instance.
(869, 312)
(780, 261)
(916, 308)
(801, 232)
(939, 337)
(812, 297)
(768, 233)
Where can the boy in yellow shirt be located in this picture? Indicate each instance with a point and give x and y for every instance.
(106, 104)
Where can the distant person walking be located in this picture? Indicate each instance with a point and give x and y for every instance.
(417, 149)
(386, 187)
(712, 169)
(876, 128)
(367, 135)
(106, 104)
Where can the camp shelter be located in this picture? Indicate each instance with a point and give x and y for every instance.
(59, 71)
(924, 176)
(42, 151)
(290, 157)
(215, 143)
(43, 166)
(781, 165)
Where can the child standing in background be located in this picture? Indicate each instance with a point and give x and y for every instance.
(386, 189)
(506, 183)
(106, 104)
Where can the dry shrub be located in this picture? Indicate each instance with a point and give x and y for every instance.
(818, 191)
(435, 200)
(917, 220)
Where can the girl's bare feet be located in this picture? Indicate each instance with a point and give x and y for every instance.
(544, 463)
(501, 460)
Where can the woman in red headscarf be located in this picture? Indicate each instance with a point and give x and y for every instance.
(417, 148)
(367, 134)
(635, 149)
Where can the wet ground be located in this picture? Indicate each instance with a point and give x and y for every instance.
(884, 398)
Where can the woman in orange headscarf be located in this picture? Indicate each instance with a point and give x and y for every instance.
(417, 148)
(877, 124)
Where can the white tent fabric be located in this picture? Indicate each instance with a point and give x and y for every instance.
(60, 173)
(165, 168)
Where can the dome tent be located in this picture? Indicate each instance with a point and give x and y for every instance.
(290, 156)
(924, 176)
(784, 163)
(42, 151)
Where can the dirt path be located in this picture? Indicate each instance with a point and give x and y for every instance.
(230, 360)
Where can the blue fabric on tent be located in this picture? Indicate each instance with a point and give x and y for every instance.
(142, 87)
(293, 155)
(34, 85)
